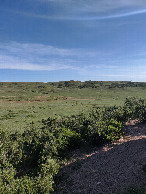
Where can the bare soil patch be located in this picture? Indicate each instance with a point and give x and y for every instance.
(110, 169)
(72, 98)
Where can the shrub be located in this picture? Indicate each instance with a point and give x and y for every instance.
(134, 108)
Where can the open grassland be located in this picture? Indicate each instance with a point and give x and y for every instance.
(23, 103)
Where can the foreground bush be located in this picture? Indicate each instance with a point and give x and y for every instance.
(135, 108)
(30, 161)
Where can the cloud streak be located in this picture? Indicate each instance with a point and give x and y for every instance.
(10, 62)
(24, 56)
(79, 10)
(87, 65)
(126, 14)
(80, 17)
(29, 56)
(93, 6)
(94, 10)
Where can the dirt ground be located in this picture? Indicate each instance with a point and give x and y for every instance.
(110, 169)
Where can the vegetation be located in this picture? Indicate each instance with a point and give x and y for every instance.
(40, 123)
(30, 159)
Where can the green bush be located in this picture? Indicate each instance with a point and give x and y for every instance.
(134, 108)
(23, 165)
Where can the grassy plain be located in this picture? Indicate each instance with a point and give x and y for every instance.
(22, 103)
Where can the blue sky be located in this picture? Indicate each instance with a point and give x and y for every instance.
(55, 40)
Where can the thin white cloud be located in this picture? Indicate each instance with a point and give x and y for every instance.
(88, 64)
(28, 56)
(94, 5)
(40, 49)
(25, 56)
(133, 69)
(85, 9)
(33, 67)
(83, 18)
(40, 57)
(125, 14)
(121, 15)
(94, 10)
(29, 50)
(11, 62)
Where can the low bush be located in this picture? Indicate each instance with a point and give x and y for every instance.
(134, 108)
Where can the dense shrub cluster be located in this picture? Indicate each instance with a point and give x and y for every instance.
(135, 109)
(96, 84)
(30, 161)
(24, 165)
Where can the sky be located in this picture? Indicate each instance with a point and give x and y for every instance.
(60, 40)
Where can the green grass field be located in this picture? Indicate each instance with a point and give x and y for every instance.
(22, 103)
